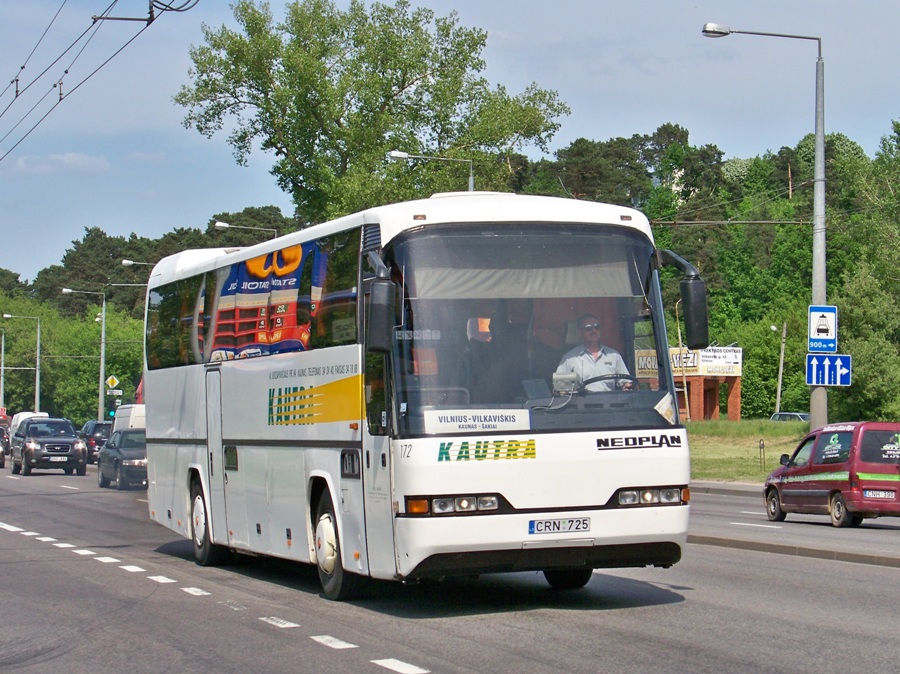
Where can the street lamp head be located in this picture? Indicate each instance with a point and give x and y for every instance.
(773, 328)
(67, 291)
(716, 30)
(221, 225)
(398, 155)
(7, 315)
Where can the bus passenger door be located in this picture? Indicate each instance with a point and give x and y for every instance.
(226, 482)
(377, 470)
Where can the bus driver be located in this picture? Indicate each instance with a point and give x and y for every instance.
(593, 359)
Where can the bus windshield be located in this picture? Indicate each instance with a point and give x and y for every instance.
(506, 327)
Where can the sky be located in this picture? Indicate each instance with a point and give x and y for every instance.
(114, 154)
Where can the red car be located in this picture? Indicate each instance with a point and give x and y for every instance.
(849, 471)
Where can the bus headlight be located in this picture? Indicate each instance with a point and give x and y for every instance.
(450, 505)
(647, 496)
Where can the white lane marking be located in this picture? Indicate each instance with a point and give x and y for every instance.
(234, 605)
(45, 539)
(30, 533)
(84, 552)
(63, 545)
(107, 560)
(162, 579)
(65, 486)
(400, 666)
(331, 642)
(132, 569)
(10, 527)
(752, 512)
(279, 622)
(196, 591)
(13, 477)
(762, 526)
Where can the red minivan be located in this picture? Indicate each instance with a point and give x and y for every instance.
(849, 471)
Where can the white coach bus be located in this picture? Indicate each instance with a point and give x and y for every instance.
(379, 395)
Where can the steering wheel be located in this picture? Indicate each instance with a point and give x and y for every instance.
(612, 376)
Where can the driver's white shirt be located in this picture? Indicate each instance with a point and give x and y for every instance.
(580, 361)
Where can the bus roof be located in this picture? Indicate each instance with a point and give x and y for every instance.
(442, 208)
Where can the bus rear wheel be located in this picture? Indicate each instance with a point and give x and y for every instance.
(568, 579)
(206, 553)
(337, 584)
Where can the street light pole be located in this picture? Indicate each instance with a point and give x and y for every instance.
(37, 360)
(398, 155)
(780, 365)
(818, 399)
(2, 368)
(101, 398)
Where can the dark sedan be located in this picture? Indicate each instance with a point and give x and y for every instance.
(45, 442)
(123, 459)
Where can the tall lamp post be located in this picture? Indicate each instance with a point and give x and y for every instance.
(780, 365)
(101, 398)
(818, 399)
(37, 360)
(398, 155)
(2, 368)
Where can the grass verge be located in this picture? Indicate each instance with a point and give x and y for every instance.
(729, 451)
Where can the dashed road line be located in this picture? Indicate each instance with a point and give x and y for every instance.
(391, 664)
(332, 642)
(162, 579)
(279, 622)
(400, 666)
(761, 526)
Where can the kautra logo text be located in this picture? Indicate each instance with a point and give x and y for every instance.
(487, 450)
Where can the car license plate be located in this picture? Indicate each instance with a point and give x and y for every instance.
(559, 526)
(877, 493)
(59, 458)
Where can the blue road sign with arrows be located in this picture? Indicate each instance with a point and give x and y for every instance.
(824, 369)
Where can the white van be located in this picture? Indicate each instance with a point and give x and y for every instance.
(129, 416)
(22, 416)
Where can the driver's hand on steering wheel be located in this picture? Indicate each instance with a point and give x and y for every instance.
(627, 386)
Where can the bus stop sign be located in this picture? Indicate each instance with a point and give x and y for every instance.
(822, 329)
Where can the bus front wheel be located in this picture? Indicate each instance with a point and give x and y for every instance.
(206, 553)
(337, 584)
(568, 579)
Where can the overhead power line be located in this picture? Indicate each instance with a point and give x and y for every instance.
(84, 39)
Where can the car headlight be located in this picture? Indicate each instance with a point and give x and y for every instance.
(134, 462)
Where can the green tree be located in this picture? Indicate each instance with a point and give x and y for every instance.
(331, 92)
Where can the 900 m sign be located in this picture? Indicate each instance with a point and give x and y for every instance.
(559, 526)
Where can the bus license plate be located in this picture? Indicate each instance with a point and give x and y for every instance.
(559, 526)
(59, 458)
(876, 493)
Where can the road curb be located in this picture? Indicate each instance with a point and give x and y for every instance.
(796, 550)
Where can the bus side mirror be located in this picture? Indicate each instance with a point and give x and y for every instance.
(380, 327)
(696, 313)
(693, 298)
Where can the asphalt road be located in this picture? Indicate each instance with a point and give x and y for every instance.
(89, 584)
(734, 515)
